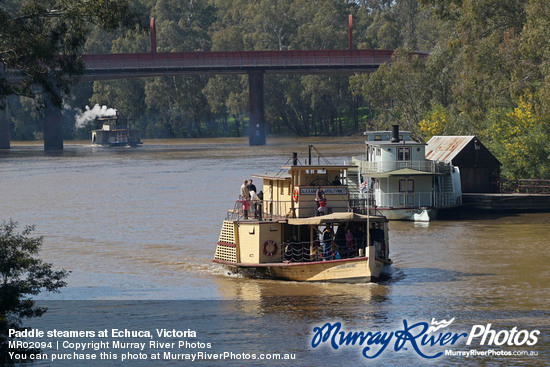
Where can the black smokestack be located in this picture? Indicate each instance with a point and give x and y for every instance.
(395, 134)
(294, 159)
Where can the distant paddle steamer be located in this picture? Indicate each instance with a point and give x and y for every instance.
(115, 134)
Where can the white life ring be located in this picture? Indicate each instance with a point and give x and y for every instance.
(270, 248)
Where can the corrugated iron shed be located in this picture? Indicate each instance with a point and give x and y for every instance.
(445, 148)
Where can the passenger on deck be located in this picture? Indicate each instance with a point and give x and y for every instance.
(319, 196)
(251, 187)
(254, 200)
(322, 207)
(336, 181)
(245, 194)
(246, 206)
(260, 202)
(378, 240)
(327, 243)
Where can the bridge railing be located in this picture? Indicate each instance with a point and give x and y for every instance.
(238, 59)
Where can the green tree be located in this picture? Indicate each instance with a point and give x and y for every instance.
(518, 137)
(22, 275)
(43, 41)
(435, 122)
(227, 96)
(400, 92)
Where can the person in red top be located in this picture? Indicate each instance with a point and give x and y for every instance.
(322, 206)
(246, 206)
(319, 196)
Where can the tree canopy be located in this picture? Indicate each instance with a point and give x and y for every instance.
(22, 275)
(41, 42)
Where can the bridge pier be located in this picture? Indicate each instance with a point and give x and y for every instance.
(256, 107)
(53, 125)
(5, 128)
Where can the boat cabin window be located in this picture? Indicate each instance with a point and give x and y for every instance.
(406, 185)
(404, 154)
(323, 177)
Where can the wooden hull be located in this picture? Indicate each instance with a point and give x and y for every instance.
(356, 270)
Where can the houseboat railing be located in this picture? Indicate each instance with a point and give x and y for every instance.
(367, 167)
(415, 199)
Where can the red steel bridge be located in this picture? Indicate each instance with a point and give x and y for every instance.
(115, 66)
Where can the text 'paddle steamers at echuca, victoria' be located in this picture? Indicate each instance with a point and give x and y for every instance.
(302, 226)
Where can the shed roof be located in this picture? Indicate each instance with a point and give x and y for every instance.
(446, 148)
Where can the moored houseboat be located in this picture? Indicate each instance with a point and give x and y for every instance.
(400, 182)
(286, 236)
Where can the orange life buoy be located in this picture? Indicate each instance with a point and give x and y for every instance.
(270, 248)
(295, 194)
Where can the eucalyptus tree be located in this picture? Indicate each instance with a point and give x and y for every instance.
(43, 41)
(178, 101)
(22, 275)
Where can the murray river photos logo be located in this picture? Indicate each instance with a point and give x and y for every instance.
(426, 339)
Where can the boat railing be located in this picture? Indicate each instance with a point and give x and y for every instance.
(279, 209)
(260, 210)
(367, 167)
(322, 250)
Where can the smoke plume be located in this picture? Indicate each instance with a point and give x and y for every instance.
(83, 118)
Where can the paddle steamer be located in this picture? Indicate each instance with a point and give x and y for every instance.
(115, 134)
(284, 235)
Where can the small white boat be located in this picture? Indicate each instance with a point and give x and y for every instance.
(282, 237)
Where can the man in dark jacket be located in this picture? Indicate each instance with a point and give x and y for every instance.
(251, 187)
